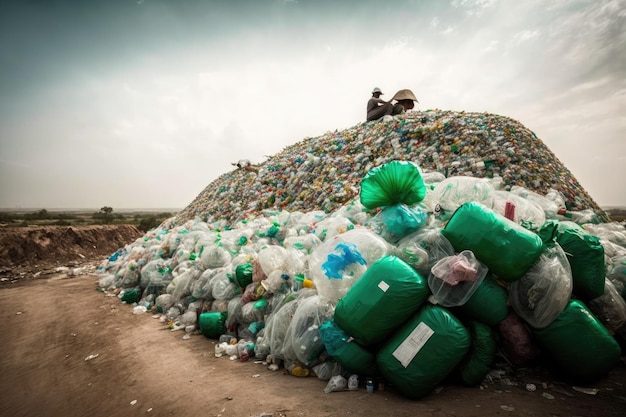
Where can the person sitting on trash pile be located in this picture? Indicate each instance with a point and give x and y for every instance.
(405, 98)
(377, 107)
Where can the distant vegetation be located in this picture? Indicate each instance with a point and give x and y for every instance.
(617, 214)
(143, 220)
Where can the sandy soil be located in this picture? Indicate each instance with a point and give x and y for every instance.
(52, 322)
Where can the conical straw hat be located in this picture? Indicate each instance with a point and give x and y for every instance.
(404, 95)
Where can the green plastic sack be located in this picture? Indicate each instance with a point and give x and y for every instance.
(579, 344)
(505, 247)
(585, 254)
(396, 182)
(423, 351)
(387, 293)
(243, 275)
(487, 305)
(477, 364)
(212, 323)
(345, 351)
(130, 296)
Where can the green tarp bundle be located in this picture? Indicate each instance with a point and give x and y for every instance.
(423, 351)
(396, 182)
(387, 293)
(585, 254)
(579, 344)
(505, 247)
(345, 351)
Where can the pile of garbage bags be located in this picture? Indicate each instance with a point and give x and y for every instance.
(421, 279)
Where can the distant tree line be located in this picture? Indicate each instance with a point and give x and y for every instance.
(142, 220)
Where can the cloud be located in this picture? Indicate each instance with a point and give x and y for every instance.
(181, 90)
(525, 35)
(474, 7)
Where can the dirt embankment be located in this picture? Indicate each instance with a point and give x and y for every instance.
(24, 249)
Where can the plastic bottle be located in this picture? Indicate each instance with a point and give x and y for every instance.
(369, 384)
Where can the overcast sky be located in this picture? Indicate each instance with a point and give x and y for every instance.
(142, 103)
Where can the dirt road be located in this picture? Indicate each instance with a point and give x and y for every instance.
(50, 326)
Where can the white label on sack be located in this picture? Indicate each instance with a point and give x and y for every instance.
(413, 344)
(383, 286)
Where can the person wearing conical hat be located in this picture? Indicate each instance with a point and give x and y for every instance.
(405, 98)
(377, 107)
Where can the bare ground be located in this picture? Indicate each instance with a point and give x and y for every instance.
(54, 319)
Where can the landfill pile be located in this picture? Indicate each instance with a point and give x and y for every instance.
(419, 281)
(324, 173)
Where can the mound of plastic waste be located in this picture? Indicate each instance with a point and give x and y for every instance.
(418, 278)
(325, 172)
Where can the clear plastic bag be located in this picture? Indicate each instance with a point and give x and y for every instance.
(272, 258)
(223, 286)
(452, 192)
(524, 210)
(201, 288)
(336, 383)
(369, 245)
(424, 248)
(454, 279)
(331, 227)
(610, 307)
(395, 222)
(327, 370)
(551, 206)
(303, 343)
(544, 291)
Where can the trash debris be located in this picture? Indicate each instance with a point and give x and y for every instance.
(336, 383)
(324, 173)
(290, 269)
(90, 357)
(588, 391)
